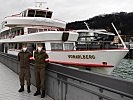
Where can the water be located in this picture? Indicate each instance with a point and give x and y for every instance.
(124, 70)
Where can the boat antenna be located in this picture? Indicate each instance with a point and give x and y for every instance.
(40, 3)
(119, 36)
(87, 25)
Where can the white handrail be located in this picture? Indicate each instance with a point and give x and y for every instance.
(119, 36)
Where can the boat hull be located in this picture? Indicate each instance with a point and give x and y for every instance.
(101, 61)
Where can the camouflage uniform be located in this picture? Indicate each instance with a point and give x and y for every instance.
(24, 74)
(40, 66)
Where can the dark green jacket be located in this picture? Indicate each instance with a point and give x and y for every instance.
(24, 58)
(40, 59)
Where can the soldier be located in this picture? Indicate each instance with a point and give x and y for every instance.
(40, 66)
(23, 58)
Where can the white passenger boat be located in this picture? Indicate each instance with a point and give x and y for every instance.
(35, 25)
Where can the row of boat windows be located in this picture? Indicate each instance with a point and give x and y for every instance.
(37, 13)
(62, 46)
(34, 30)
(13, 33)
(95, 37)
(54, 46)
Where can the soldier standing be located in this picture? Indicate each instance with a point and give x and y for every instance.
(23, 58)
(40, 65)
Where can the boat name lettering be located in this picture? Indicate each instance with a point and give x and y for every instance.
(82, 56)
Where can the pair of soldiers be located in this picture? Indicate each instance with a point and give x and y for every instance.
(40, 64)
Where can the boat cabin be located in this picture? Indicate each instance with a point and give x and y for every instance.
(32, 12)
(52, 40)
(95, 39)
(29, 21)
(85, 35)
(14, 48)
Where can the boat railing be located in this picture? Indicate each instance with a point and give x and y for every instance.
(16, 15)
(59, 20)
(95, 41)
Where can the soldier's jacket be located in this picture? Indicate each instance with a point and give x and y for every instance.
(40, 59)
(23, 57)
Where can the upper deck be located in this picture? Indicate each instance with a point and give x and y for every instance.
(36, 12)
(33, 17)
(31, 20)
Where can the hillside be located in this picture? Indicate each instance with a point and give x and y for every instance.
(123, 21)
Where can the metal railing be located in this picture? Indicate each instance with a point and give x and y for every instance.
(80, 76)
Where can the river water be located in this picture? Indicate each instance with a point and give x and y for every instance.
(124, 70)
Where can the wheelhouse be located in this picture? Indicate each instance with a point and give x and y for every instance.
(29, 21)
(36, 13)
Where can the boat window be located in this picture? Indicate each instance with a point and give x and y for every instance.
(111, 37)
(40, 14)
(32, 30)
(68, 46)
(22, 32)
(82, 34)
(10, 45)
(40, 30)
(85, 39)
(49, 15)
(56, 46)
(24, 13)
(31, 13)
(15, 45)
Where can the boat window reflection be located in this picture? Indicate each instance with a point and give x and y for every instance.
(31, 13)
(40, 14)
(56, 46)
(68, 46)
(49, 15)
(32, 30)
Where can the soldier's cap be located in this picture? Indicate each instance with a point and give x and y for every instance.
(24, 44)
(39, 44)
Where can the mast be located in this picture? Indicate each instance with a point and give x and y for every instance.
(40, 3)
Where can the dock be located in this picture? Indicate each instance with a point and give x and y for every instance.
(64, 83)
(9, 85)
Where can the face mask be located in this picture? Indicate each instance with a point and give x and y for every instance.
(24, 49)
(39, 48)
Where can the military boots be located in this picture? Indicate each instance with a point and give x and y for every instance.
(28, 89)
(43, 94)
(37, 92)
(21, 89)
